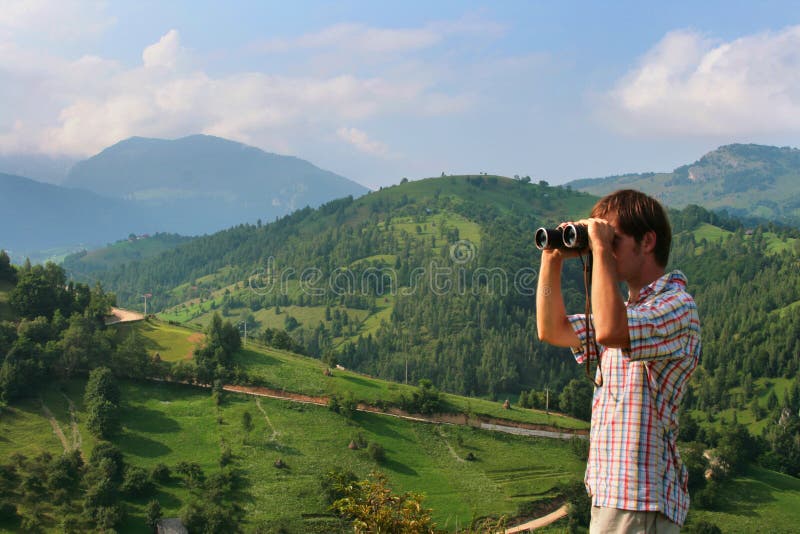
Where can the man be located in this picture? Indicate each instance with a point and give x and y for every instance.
(649, 346)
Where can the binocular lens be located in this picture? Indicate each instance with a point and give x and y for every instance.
(576, 236)
(547, 238)
(570, 236)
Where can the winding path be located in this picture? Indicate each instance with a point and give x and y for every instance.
(274, 436)
(77, 440)
(486, 423)
(56, 427)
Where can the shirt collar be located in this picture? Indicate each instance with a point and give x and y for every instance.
(659, 285)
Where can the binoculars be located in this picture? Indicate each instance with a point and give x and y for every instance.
(570, 236)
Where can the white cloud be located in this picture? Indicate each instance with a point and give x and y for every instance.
(689, 84)
(164, 53)
(55, 19)
(362, 142)
(366, 40)
(80, 107)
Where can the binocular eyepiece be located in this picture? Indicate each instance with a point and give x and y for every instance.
(571, 236)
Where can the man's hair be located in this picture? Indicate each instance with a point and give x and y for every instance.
(638, 214)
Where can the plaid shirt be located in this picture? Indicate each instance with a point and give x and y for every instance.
(633, 460)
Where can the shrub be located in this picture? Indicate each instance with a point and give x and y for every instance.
(348, 405)
(579, 447)
(135, 482)
(372, 507)
(153, 513)
(160, 473)
(334, 484)
(580, 506)
(376, 451)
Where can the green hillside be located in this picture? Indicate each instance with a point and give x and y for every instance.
(384, 282)
(283, 370)
(757, 501)
(82, 264)
(164, 423)
(473, 333)
(753, 181)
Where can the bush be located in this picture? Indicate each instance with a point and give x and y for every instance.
(160, 473)
(348, 405)
(579, 447)
(108, 451)
(136, 482)
(153, 514)
(372, 507)
(376, 451)
(334, 484)
(580, 506)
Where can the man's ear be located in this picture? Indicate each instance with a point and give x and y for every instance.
(649, 241)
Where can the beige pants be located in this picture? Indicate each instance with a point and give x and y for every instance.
(630, 522)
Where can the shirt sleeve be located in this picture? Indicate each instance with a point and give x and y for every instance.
(578, 323)
(663, 328)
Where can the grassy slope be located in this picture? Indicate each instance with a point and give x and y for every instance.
(763, 387)
(172, 343)
(758, 501)
(169, 423)
(285, 370)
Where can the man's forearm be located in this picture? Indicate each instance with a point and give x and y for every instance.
(551, 315)
(609, 315)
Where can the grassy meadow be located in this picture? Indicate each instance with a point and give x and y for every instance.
(168, 423)
(758, 501)
(298, 374)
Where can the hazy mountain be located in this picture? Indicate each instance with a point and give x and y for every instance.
(36, 216)
(202, 184)
(753, 181)
(40, 167)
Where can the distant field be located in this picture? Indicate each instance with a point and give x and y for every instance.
(172, 343)
(710, 233)
(762, 389)
(777, 245)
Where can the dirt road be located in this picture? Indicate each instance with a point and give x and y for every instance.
(119, 315)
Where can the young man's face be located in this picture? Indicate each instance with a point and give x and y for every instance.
(627, 253)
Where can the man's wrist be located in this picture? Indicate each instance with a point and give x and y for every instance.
(553, 256)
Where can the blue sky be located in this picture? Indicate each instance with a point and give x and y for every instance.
(378, 91)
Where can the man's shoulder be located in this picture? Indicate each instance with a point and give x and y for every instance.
(670, 291)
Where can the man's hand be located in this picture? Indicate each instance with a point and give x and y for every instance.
(601, 233)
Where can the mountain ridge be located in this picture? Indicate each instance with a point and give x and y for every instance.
(751, 181)
(194, 185)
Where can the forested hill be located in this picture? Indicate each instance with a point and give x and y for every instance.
(438, 274)
(752, 181)
(436, 279)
